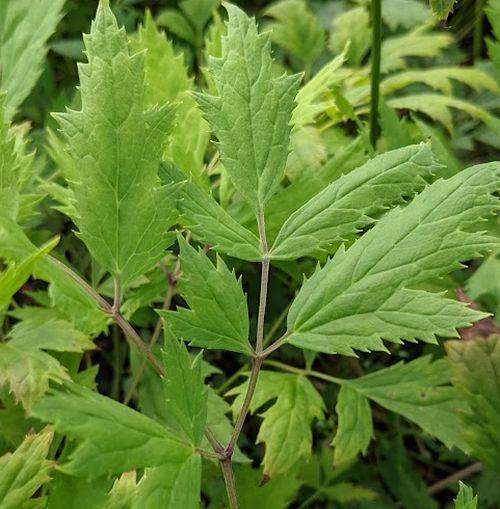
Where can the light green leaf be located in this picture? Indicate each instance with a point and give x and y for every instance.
(218, 315)
(286, 425)
(404, 13)
(355, 427)
(40, 328)
(440, 78)
(354, 201)
(122, 212)
(485, 283)
(351, 27)
(465, 498)
(296, 29)
(177, 24)
(24, 365)
(251, 113)
(25, 470)
(361, 296)
(419, 391)
(439, 107)
(17, 274)
(198, 12)
(167, 81)
(345, 492)
(417, 43)
(112, 438)
(25, 26)
(441, 8)
(122, 493)
(476, 368)
(185, 391)
(209, 222)
(310, 98)
(69, 297)
(173, 485)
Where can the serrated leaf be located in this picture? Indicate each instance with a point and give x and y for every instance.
(71, 300)
(417, 43)
(351, 27)
(286, 425)
(218, 315)
(209, 222)
(476, 368)
(419, 391)
(404, 13)
(25, 470)
(465, 498)
(361, 296)
(354, 200)
(355, 427)
(184, 389)
(167, 81)
(310, 100)
(296, 29)
(251, 113)
(122, 212)
(170, 486)
(25, 28)
(112, 438)
(441, 8)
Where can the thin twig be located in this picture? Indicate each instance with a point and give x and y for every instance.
(279, 342)
(227, 472)
(474, 468)
(375, 70)
(264, 279)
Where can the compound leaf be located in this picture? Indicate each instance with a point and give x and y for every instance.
(218, 315)
(25, 470)
(355, 427)
(112, 438)
(286, 425)
(354, 200)
(360, 296)
(251, 113)
(122, 212)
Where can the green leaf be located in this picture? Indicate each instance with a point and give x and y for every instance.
(485, 283)
(251, 113)
(25, 27)
(418, 391)
(345, 492)
(112, 438)
(170, 486)
(476, 368)
(404, 13)
(310, 101)
(286, 425)
(355, 427)
(25, 470)
(441, 8)
(351, 27)
(209, 222)
(167, 81)
(41, 328)
(122, 212)
(17, 274)
(417, 43)
(354, 200)
(296, 29)
(465, 498)
(218, 315)
(362, 295)
(184, 389)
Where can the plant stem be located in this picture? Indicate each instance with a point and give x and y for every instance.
(227, 472)
(117, 296)
(171, 278)
(376, 11)
(306, 372)
(477, 37)
(474, 468)
(264, 279)
(279, 342)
